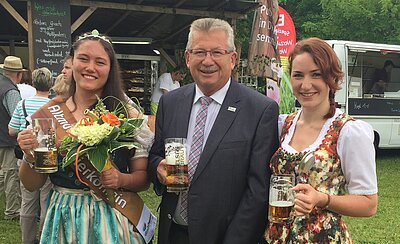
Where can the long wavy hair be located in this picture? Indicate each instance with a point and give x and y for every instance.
(326, 60)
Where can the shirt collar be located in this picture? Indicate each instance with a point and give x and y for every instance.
(218, 96)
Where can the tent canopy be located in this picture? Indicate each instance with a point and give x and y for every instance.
(164, 22)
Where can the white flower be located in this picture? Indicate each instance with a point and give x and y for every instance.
(92, 134)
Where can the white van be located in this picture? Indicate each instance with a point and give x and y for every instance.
(361, 63)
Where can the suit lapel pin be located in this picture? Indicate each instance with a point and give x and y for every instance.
(231, 109)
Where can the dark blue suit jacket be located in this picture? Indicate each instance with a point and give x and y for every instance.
(228, 195)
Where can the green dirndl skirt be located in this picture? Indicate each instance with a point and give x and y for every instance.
(75, 216)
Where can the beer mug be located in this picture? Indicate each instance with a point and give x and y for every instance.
(177, 165)
(45, 153)
(281, 197)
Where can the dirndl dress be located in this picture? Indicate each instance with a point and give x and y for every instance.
(77, 216)
(321, 225)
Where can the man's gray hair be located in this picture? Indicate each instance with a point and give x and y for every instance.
(211, 24)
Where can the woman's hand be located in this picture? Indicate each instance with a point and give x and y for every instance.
(307, 198)
(31, 179)
(111, 178)
(27, 141)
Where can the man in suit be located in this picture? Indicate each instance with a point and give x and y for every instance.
(228, 193)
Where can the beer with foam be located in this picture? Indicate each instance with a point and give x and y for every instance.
(280, 210)
(281, 198)
(46, 153)
(177, 165)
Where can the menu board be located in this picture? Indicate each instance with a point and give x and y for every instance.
(374, 106)
(51, 29)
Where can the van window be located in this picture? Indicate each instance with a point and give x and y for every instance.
(369, 77)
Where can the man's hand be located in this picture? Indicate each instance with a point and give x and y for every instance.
(162, 172)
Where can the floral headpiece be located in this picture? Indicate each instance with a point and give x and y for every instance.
(94, 34)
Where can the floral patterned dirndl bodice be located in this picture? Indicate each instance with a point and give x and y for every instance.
(319, 226)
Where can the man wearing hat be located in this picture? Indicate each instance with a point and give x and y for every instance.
(9, 97)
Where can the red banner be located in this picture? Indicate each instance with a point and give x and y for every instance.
(286, 33)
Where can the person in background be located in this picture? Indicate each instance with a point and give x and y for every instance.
(25, 86)
(67, 69)
(166, 83)
(60, 87)
(66, 74)
(342, 178)
(32, 202)
(87, 218)
(10, 96)
(377, 85)
(228, 177)
(381, 78)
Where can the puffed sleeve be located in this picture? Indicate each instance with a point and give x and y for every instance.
(145, 137)
(357, 153)
(281, 121)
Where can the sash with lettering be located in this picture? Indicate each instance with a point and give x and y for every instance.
(128, 203)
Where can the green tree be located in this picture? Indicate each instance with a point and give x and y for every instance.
(243, 32)
(306, 15)
(355, 20)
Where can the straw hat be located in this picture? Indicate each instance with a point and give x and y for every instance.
(12, 63)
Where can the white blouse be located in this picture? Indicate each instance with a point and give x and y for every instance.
(355, 148)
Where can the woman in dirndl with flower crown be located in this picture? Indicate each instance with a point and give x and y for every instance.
(75, 214)
(342, 178)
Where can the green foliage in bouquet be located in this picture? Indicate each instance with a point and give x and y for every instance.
(99, 133)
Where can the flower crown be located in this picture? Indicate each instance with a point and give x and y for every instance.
(94, 34)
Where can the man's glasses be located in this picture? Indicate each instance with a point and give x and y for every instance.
(215, 53)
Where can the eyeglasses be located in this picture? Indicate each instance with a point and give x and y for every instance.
(215, 53)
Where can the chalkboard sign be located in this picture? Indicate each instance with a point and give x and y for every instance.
(51, 29)
(374, 106)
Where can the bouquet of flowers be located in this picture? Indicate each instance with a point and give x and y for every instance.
(99, 133)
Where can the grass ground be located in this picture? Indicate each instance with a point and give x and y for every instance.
(382, 228)
(385, 225)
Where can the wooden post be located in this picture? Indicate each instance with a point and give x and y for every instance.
(31, 64)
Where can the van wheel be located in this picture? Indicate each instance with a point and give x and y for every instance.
(376, 141)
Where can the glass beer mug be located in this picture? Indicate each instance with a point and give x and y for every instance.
(46, 153)
(177, 165)
(281, 197)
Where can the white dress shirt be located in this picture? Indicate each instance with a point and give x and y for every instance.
(212, 113)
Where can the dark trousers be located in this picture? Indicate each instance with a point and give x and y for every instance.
(178, 234)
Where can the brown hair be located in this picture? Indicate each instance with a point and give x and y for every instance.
(326, 60)
(26, 77)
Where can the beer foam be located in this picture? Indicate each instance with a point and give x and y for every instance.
(175, 154)
(44, 149)
(281, 203)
